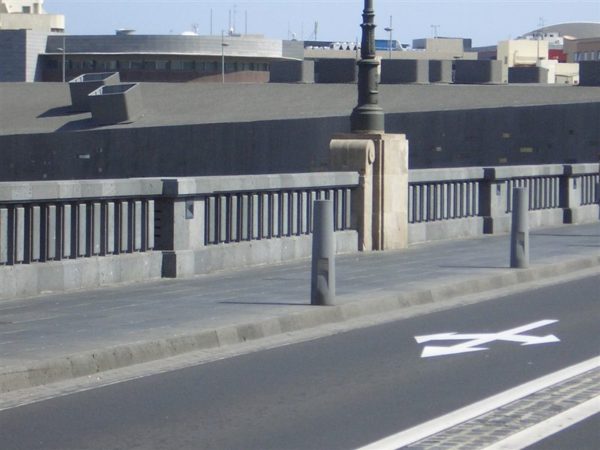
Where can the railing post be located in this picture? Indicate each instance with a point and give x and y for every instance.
(322, 290)
(519, 236)
(570, 194)
(182, 229)
(493, 198)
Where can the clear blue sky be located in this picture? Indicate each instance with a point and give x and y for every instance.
(485, 21)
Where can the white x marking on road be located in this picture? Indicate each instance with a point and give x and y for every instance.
(473, 341)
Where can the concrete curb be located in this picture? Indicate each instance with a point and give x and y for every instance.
(100, 360)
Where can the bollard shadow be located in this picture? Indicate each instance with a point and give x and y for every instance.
(265, 303)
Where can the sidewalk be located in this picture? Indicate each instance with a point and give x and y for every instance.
(56, 337)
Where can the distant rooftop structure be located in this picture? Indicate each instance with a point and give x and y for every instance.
(29, 15)
(555, 34)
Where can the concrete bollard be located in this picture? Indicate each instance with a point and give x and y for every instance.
(519, 237)
(322, 290)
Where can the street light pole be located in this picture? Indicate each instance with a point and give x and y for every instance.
(389, 30)
(63, 59)
(223, 45)
(367, 116)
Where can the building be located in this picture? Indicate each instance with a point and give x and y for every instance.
(173, 58)
(578, 50)
(554, 36)
(31, 56)
(29, 15)
(429, 49)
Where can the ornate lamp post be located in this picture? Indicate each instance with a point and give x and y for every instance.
(367, 116)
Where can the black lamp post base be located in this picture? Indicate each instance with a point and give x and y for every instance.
(367, 119)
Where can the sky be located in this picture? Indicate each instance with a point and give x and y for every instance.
(484, 21)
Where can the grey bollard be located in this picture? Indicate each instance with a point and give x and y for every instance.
(322, 289)
(519, 236)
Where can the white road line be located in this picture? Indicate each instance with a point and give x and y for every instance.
(549, 426)
(454, 418)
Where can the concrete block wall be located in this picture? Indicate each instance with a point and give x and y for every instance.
(400, 71)
(527, 75)
(547, 134)
(440, 71)
(292, 71)
(479, 72)
(589, 73)
(333, 70)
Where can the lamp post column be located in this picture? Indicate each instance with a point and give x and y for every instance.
(367, 116)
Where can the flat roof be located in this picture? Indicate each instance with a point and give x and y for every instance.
(27, 108)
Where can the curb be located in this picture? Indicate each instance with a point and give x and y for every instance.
(116, 357)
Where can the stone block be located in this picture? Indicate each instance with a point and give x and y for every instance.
(527, 75)
(440, 71)
(479, 72)
(404, 71)
(334, 70)
(589, 73)
(292, 71)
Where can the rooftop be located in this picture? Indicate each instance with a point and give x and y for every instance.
(45, 107)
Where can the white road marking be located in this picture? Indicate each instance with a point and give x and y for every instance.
(549, 427)
(474, 340)
(469, 412)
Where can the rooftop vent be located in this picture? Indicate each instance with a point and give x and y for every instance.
(117, 103)
(81, 87)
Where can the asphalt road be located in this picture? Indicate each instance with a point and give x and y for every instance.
(338, 392)
(581, 436)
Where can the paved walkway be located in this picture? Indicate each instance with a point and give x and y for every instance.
(56, 327)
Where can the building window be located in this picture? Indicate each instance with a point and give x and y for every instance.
(51, 64)
(149, 65)
(188, 65)
(26, 9)
(162, 65)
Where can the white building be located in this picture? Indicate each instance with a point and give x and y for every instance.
(29, 15)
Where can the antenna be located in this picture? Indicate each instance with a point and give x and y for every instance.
(246, 22)
(435, 30)
(211, 21)
(233, 25)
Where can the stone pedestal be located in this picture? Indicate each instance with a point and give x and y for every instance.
(380, 208)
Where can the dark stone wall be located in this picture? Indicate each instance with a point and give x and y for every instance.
(527, 75)
(552, 134)
(589, 73)
(336, 70)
